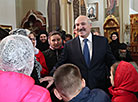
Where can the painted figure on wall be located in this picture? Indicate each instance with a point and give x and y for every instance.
(111, 4)
(91, 13)
(135, 37)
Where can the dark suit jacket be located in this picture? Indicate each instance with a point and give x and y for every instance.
(102, 58)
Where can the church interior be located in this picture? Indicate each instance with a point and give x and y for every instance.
(108, 16)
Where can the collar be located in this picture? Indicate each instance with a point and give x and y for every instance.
(82, 95)
(89, 38)
(61, 47)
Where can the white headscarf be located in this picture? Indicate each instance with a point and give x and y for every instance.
(17, 54)
(20, 31)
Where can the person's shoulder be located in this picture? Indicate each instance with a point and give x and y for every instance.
(39, 54)
(46, 51)
(38, 93)
(100, 38)
(100, 95)
(98, 91)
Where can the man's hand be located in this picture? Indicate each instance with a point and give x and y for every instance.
(49, 79)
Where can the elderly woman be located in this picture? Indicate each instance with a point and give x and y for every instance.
(39, 55)
(40, 67)
(114, 44)
(124, 80)
(16, 65)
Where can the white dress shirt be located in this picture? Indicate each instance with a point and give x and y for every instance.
(89, 42)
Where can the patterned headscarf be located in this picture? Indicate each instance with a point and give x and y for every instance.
(17, 54)
(20, 31)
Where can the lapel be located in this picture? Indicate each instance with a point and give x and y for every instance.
(93, 49)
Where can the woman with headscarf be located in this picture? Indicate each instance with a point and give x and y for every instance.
(42, 41)
(16, 65)
(114, 44)
(124, 80)
(39, 55)
(37, 66)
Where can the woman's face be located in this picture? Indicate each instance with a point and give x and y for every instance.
(114, 37)
(43, 38)
(33, 39)
(111, 77)
(55, 41)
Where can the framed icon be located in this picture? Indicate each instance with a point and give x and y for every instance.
(92, 11)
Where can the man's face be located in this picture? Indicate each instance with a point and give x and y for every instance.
(83, 27)
(55, 41)
(43, 38)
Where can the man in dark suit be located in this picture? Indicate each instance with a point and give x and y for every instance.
(101, 58)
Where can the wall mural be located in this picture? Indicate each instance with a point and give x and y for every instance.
(112, 8)
(134, 28)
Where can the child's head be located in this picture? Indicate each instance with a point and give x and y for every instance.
(124, 76)
(68, 82)
(112, 72)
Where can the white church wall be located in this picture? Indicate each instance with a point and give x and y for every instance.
(8, 13)
(99, 23)
(135, 5)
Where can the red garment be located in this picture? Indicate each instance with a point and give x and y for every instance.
(17, 87)
(125, 82)
(41, 59)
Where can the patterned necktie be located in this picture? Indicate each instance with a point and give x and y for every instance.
(86, 52)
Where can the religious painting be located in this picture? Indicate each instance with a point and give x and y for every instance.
(135, 36)
(134, 28)
(112, 8)
(92, 11)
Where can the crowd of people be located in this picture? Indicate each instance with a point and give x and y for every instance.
(53, 67)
